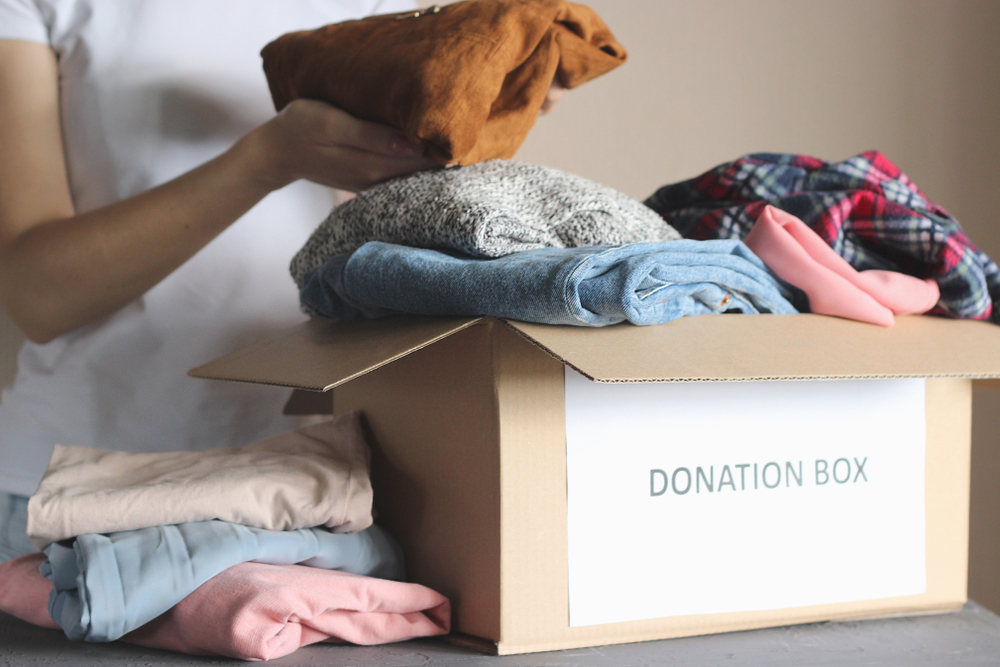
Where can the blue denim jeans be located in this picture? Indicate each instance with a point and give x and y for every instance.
(644, 283)
(13, 527)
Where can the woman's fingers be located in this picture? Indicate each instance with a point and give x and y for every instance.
(341, 128)
(369, 168)
(321, 143)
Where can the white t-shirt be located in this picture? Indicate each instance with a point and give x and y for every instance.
(149, 90)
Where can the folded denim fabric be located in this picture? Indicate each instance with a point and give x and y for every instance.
(312, 476)
(13, 519)
(644, 283)
(489, 209)
(256, 611)
(104, 586)
(864, 207)
(465, 80)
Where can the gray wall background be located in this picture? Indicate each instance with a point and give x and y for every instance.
(708, 81)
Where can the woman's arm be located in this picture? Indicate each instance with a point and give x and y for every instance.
(60, 270)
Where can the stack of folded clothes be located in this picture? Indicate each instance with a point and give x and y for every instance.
(242, 552)
(525, 242)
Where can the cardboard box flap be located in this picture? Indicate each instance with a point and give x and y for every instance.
(773, 347)
(320, 354)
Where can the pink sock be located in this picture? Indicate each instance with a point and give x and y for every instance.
(829, 293)
(900, 293)
(799, 256)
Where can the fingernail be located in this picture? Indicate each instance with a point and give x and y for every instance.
(403, 146)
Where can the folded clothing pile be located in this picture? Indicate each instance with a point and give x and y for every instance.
(865, 208)
(525, 242)
(258, 611)
(238, 552)
(313, 476)
(486, 210)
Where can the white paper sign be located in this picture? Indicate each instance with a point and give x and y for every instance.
(694, 498)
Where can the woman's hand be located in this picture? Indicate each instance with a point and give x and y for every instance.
(320, 143)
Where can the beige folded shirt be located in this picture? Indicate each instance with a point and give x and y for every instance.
(313, 476)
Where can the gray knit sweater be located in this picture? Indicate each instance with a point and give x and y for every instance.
(488, 209)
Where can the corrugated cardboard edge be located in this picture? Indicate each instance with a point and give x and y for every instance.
(772, 347)
(321, 354)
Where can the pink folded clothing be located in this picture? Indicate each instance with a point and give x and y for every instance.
(24, 592)
(800, 257)
(256, 611)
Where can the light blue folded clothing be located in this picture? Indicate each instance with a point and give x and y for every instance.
(644, 283)
(104, 586)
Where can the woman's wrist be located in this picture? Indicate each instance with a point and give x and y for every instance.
(254, 158)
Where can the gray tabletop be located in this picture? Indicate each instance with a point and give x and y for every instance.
(968, 637)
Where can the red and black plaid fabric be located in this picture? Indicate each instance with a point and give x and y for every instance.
(864, 207)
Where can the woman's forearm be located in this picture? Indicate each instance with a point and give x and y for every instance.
(61, 274)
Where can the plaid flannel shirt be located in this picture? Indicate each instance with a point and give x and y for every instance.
(864, 207)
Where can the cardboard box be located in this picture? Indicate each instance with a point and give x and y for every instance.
(468, 418)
